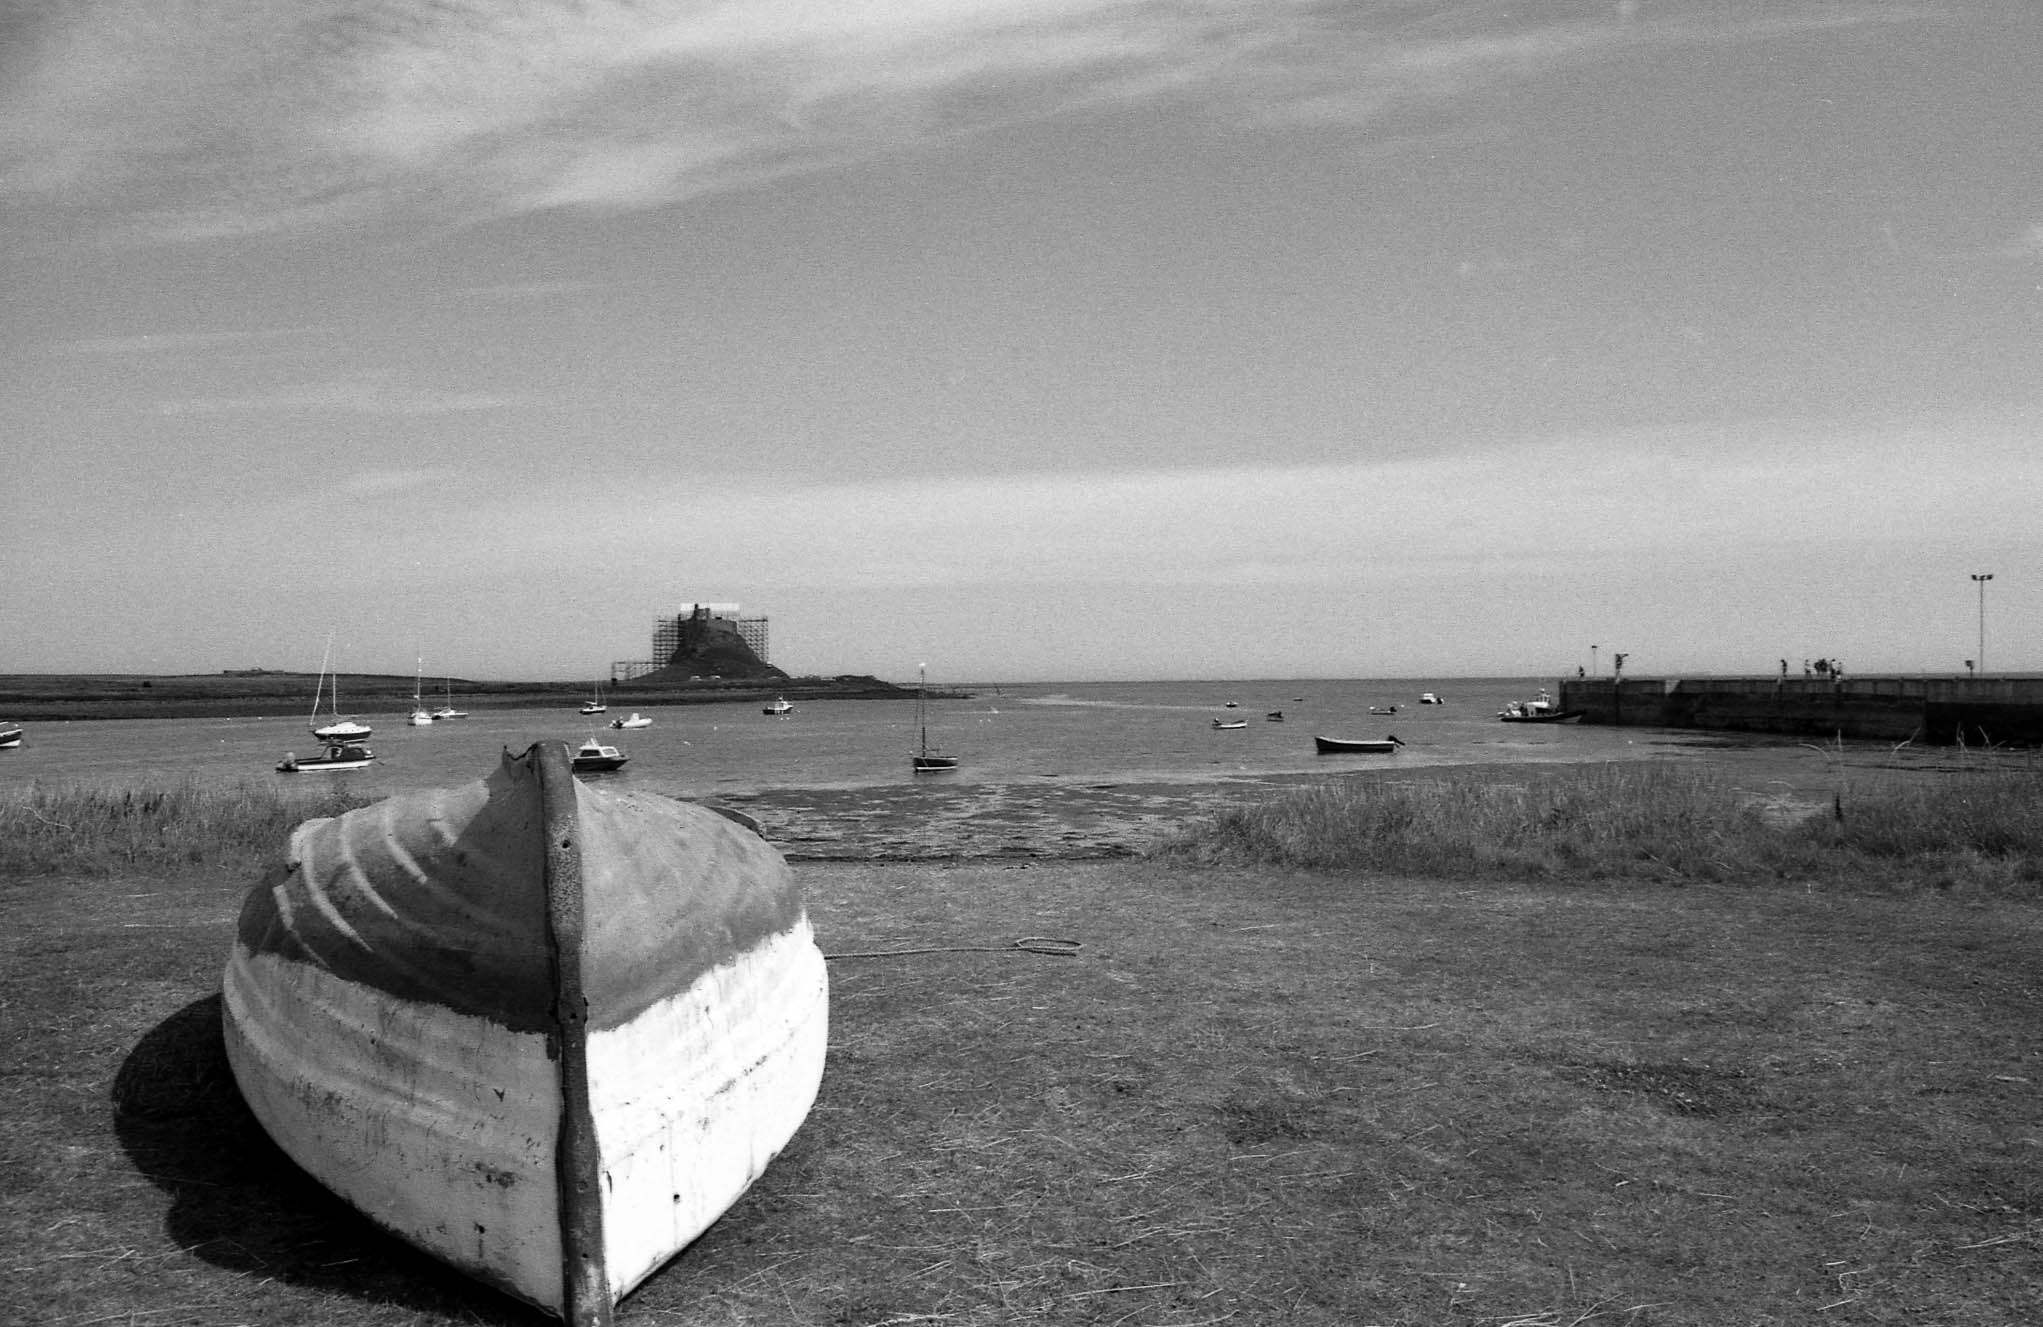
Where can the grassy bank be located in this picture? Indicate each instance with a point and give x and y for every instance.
(1255, 1096)
(69, 829)
(1650, 820)
(1259, 1093)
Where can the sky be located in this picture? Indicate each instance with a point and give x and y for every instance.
(1028, 339)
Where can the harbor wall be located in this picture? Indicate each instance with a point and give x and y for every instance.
(1943, 710)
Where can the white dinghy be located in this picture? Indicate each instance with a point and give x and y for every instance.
(544, 1032)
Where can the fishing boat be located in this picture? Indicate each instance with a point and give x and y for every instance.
(592, 757)
(636, 720)
(926, 760)
(779, 707)
(1356, 746)
(1230, 723)
(421, 717)
(10, 736)
(595, 705)
(546, 1033)
(333, 756)
(447, 710)
(1540, 709)
(339, 730)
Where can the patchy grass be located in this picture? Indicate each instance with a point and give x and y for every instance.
(1649, 819)
(1255, 1095)
(80, 830)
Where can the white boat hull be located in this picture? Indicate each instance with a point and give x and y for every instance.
(390, 1003)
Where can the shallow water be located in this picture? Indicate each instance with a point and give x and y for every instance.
(1151, 732)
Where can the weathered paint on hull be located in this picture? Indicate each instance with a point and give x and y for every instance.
(546, 1033)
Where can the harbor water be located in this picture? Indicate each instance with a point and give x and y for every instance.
(1088, 733)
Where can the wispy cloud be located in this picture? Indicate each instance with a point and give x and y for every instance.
(1584, 500)
(349, 398)
(240, 116)
(172, 343)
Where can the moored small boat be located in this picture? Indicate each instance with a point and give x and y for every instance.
(447, 710)
(421, 717)
(10, 736)
(593, 757)
(333, 756)
(546, 1033)
(1230, 723)
(1540, 709)
(1338, 746)
(926, 759)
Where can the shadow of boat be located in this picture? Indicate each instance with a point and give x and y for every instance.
(238, 1202)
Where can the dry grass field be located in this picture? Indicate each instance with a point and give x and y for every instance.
(1253, 1094)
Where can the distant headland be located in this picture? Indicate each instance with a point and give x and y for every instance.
(251, 692)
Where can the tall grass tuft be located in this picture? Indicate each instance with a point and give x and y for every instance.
(1638, 820)
(74, 830)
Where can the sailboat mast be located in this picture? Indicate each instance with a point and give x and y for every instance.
(326, 657)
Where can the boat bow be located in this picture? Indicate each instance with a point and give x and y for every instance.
(545, 1032)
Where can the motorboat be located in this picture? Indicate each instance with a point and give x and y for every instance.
(636, 720)
(778, 708)
(1429, 698)
(1356, 746)
(1540, 709)
(545, 1032)
(334, 756)
(593, 757)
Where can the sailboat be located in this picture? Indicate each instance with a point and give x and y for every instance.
(595, 703)
(447, 710)
(421, 717)
(926, 761)
(340, 730)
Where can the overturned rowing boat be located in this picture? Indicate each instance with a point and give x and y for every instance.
(544, 1032)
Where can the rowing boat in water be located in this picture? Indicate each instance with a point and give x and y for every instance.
(1358, 746)
(544, 1032)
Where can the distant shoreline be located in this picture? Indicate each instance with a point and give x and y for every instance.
(45, 697)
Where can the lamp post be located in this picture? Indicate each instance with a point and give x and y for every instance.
(1980, 579)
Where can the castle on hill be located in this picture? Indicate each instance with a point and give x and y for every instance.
(701, 642)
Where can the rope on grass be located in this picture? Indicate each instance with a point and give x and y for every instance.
(1052, 946)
